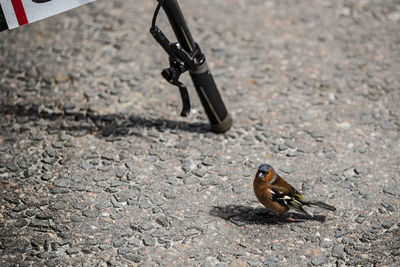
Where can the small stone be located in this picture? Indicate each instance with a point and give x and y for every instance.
(361, 247)
(146, 226)
(366, 119)
(39, 223)
(276, 247)
(253, 262)
(29, 173)
(387, 224)
(187, 167)
(61, 182)
(248, 173)
(100, 177)
(133, 257)
(326, 243)
(46, 177)
(120, 173)
(244, 153)
(237, 222)
(282, 147)
(286, 169)
(362, 149)
(163, 222)
(108, 156)
(123, 250)
(348, 249)
(349, 173)
(117, 216)
(271, 263)
(49, 160)
(159, 201)
(23, 164)
(360, 219)
(60, 205)
(290, 143)
(72, 251)
(79, 205)
(90, 213)
(145, 205)
(337, 252)
(131, 176)
(149, 241)
(119, 242)
(208, 162)
(224, 185)
(46, 245)
(59, 190)
(43, 216)
(318, 261)
(170, 195)
(57, 145)
(238, 189)
(20, 223)
(135, 243)
(359, 170)
(121, 196)
(104, 168)
(104, 246)
(389, 191)
(3, 147)
(76, 178)
(305, 117)
(84, 165)
(103, 205)
(51, 152)
(11, 166)
(77, 218)
(199, 172)
(35, 245)
(130, 164)
(347, 241)
(317, 135)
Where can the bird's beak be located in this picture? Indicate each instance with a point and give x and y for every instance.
(260, 175)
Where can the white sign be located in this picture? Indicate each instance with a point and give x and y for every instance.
(21, 12)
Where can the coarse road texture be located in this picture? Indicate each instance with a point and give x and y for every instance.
(97, 167)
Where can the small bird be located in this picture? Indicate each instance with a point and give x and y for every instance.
(279, 196)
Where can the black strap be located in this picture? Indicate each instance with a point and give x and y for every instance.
(3, 22)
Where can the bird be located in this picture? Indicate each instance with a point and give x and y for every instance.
(278, 196)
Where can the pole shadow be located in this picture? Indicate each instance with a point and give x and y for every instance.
(102, 125)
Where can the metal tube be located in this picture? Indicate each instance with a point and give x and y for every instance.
(203, 81)
(178, 24)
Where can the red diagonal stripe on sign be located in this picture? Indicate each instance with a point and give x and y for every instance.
(19, 12)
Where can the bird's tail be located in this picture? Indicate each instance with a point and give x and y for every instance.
(319, 204)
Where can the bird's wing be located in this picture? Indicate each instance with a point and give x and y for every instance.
(289, 192)
(288, 196)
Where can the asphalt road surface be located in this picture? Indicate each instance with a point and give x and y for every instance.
(97, 168)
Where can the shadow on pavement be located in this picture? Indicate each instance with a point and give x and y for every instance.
(103, 125)
(242, 215)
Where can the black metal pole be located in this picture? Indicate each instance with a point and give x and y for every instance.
(203, 81)
(179, 25)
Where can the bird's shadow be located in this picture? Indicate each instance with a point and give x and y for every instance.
(244, 215)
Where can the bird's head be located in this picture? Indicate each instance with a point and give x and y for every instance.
(266, 173)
